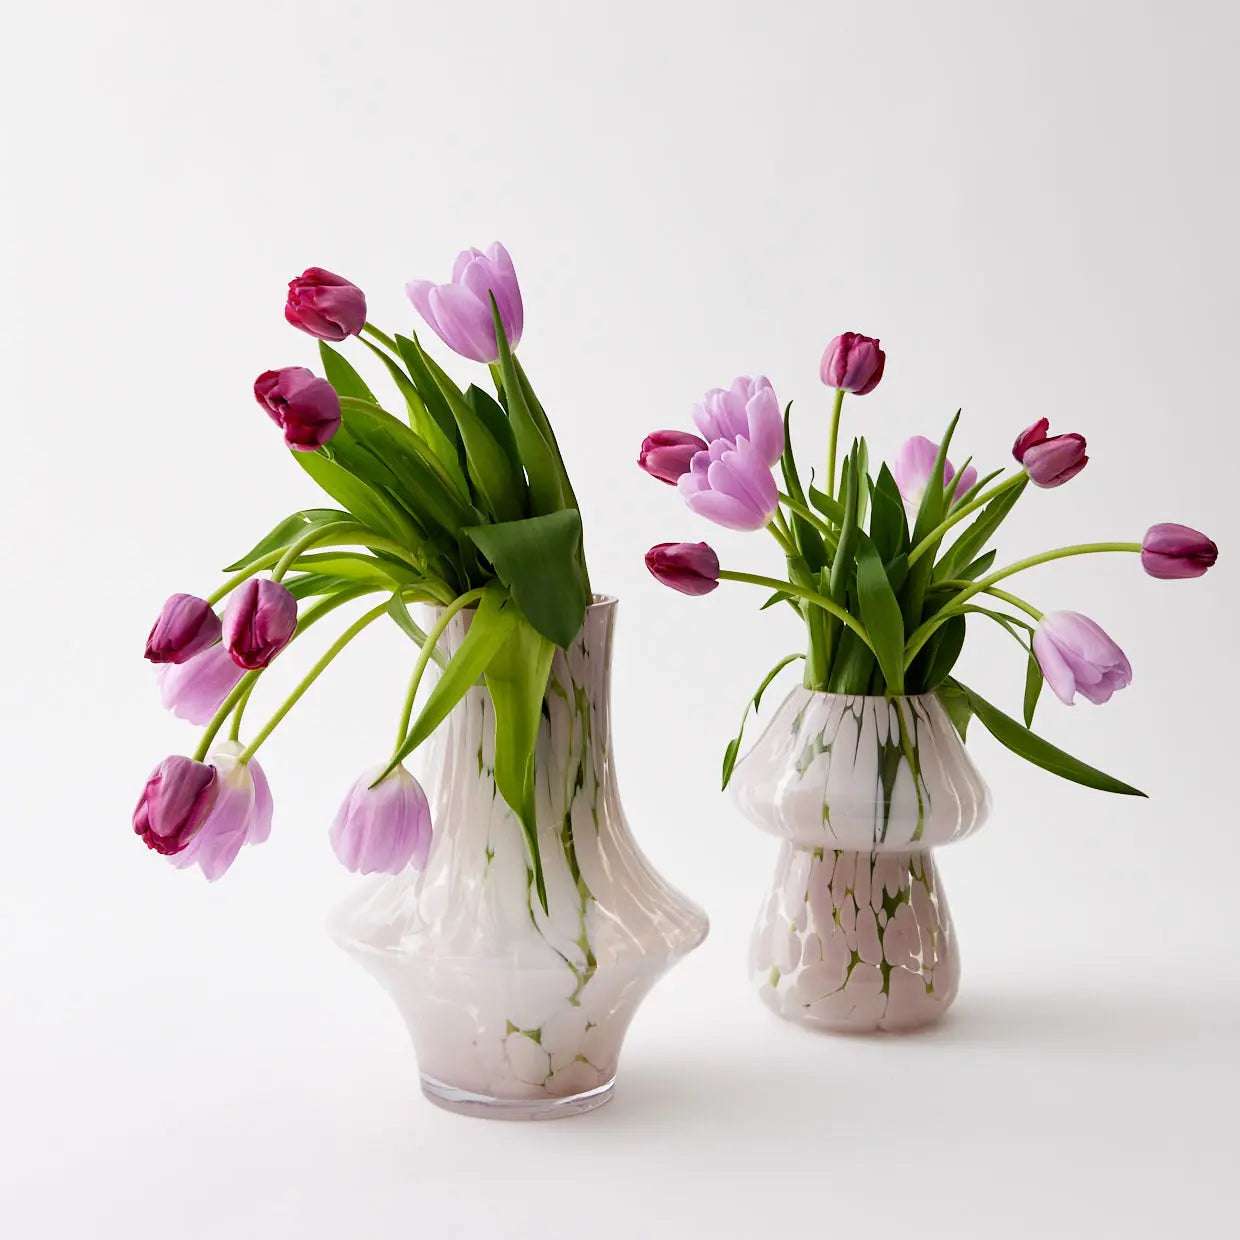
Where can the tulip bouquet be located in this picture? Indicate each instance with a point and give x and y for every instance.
(464, 504)
(887, 570)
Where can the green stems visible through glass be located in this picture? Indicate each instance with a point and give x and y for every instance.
(834, 440)
(818, 600)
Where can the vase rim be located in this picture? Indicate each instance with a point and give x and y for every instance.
(598, 602)
(870, 697)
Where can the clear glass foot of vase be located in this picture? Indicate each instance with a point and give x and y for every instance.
(483, 1106)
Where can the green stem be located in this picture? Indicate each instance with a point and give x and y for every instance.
(1013, 600)
(819, 600)
(932, 539)
(234, 732)
(779, 537)
(255, 566)
(834, 440)
(809, 515)
(382, 337)
(334, 530)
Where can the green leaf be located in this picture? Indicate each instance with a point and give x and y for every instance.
(536, 558)
(934, 499)
(1041, 752)
(778, 597)
(754, 703)
(888, 522)
(288, 532)
(431, 383)
(832, 509)
(956, 703)
(368, 505)
(311, 585)
(357, 567)
(1033, 688)
(494, 461)
(979, 566)
(862, 454)
(978, 533)
(341, 375)
(937, 658)
(880, 613)
(399, 612)
(788, 462)
(841, 565)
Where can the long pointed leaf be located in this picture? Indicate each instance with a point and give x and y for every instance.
(287, 532)
(880, 613)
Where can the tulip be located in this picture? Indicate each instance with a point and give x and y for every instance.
(1172, 551)
(691, 568)
(196, 689)
(305, 407)
(179, 796)
(241, 815)
(325, 305)
(186, 626)
(666, 455)
(731, 486)
(915, 466)
(853, 363)
(259, 622)
(460, 311)
(1049, 462)
(1075, 655)
(747, 408)
(380, 830)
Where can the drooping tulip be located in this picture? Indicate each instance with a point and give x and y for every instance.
(1173, 551)
(460, 312)
(1076, 656)
(185, 626)
(177, 799)
(748, 408)
(380, 830)
(196, 689)
(666, 455)
(853, 363)
(325, 305)
(259, 622)
(691, 568)
(241, 815)
(914, 467)
(1050, 461)
(731, 486)
(305, 407)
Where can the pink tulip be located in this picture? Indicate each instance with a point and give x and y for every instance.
(325, 305)
(177, 799)
(748, 408)
(1173, 551)
(666, 455)
(691, 568)
(259, 622)
(1075, 655)
(196, 689)
(241, 815)
(731, 486)
(854, 363)
(380, 830)
(460, 311)
(305, 407)
(185, 626)
(1050, 462)
(914, 468)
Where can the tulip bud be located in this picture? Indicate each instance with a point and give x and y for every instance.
(178, 797)
(1171, 551)
(731, 486)
(196, 689)
(325, 305)
(259, 622)
(460, 312)
(748, 409)
(241, 815)
(665, 455)
(854, 363)
(1050, 462)
(186, 626)
(914, 467)
(691, 568)
(305, 407)
(1075, 655)
(380, 830)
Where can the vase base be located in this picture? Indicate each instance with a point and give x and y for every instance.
(484, 1106)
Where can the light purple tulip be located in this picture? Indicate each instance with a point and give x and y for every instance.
(691, 568)
(381, 830)
(914, 467)
(305, 407)
(460, 312)
(732, 487)
(1171, 551)
(854, 363)
(185, 626)
(259, 622)
(1050, 461)
(748, 408)
(325, 305)
(666, 455)
(175, 803)
(196, 689)
(1076, 656)
(241, 815)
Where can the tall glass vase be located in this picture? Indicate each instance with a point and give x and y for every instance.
(855, 933)
(516, 1012)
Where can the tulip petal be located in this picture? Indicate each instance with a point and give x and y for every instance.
(1056, 671)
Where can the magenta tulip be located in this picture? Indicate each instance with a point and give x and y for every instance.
(666, 455)
(380, 830)
(325, 305)
(1075, 655)
(731, 486)
(853, 363)
(186, 626)
(460, 312)
(1049, 461)
(748, 408)
(1173, 551)
(259, 622)
(305, 407)
(241, 815)
(914, 467)
(196, 689)
(691, 568)
(177, 799)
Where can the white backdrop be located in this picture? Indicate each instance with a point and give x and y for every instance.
(1034, 206)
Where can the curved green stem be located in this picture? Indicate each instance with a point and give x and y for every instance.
(834, 441)
(255, 566)
(382, 337)
(784, 541)
(818, 600)
(932, 539)
(333, 530)
(234, 731)
(1013, 600)
(809, 515)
